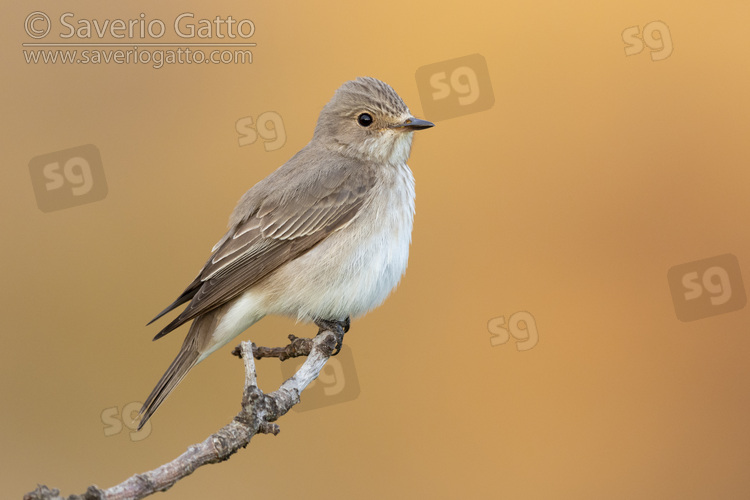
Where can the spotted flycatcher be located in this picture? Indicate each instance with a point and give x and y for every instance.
(324, 238)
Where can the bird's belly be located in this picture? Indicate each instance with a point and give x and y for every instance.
(353, 270)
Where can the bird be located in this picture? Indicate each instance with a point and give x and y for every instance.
(324, 238)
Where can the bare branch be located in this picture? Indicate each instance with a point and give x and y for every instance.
(297, 347)
(258, 413)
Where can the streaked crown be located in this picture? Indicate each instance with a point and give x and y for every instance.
(366, 119)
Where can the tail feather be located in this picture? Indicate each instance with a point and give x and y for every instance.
(181, 365)
(195, 343)
(199, 343)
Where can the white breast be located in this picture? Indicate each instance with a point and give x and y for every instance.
(353, 270)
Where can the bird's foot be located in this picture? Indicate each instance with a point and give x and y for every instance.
(339, 328)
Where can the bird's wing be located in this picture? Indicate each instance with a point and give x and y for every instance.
(310, 204)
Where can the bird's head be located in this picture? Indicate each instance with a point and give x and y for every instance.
(366, 119)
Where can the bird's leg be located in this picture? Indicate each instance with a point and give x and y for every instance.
(339, 328)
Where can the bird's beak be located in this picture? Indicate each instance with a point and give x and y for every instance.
(412, 123)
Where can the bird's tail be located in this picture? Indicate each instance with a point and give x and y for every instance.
(175, 373)
(187, 358)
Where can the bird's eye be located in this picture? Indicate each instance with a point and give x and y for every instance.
(364, 119)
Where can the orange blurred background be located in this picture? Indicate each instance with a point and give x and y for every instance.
(569, 199)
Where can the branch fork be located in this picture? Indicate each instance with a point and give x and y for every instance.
(257, 416)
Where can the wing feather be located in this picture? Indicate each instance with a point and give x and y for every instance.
(276, 227)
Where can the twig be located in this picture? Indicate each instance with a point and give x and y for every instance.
(258, 413)
(297, 347)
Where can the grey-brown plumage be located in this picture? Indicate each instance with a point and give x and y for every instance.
(276, 225)
(345, 202)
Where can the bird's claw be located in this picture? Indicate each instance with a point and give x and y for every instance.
(339, 342)
(338, 328)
